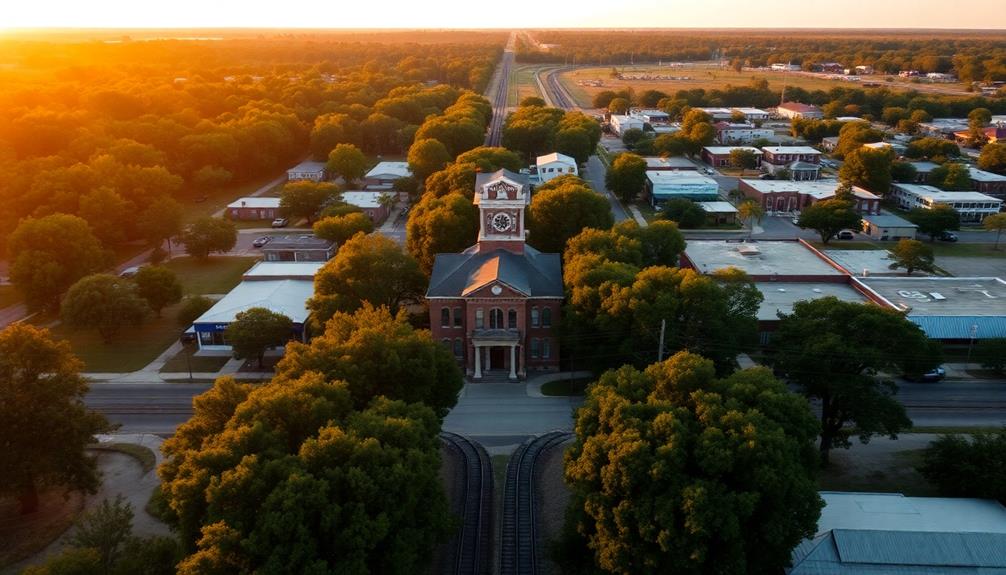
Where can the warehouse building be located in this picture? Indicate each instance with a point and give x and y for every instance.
(888, 227)
(667, 185)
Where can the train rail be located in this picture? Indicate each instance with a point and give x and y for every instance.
(470, 553)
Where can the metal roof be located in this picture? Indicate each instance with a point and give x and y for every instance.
(532, 273)
(888, 221)
(288, 297)
(255, 202)
(393, 169)
(961, 327)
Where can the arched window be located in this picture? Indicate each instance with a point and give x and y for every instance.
(535, 347)
(496, 318)
(445, 317)
(546, 348)
(457, 347)
(546, 317)
(458, 320)
(512, 319)
(479, 319)
(447, 342)
(534, 317)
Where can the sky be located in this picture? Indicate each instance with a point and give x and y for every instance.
(515, 14)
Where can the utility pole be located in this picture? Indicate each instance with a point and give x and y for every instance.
(971, 341)
(660, 349)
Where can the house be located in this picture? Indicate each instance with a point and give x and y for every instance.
(803, 162)
(988, 183)
(730, 133)
(666, 185)
(786, 196)
(554, 165)
(943, 127)
(651, 116)
(898, 148)
(874, 533)
(864, 70)
(621, 124)
(307, 170)
(922, 171)
(972, 206)
(797, 110)
(888, 227)
(719, 212)
(831, 68)
(941, 77)
(384, 174)
(306, 248)
(829, 143)
(779, 67)
(254, 208)
(658, 164)
(286, 296)
(719, 156)
(752, 114)
(993, 134)
(496, 305)
(718, 114)
(373, 203)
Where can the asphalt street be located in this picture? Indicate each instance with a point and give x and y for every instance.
(594, 174)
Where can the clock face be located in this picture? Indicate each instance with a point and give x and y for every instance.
(502, 222)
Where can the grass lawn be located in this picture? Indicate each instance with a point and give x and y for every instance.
(200, 364)
(144, 455)
(888, 474)
(218, 274)
(133, 349)
(24, 536)
(218, 199)
(967, 250)
(567, 386)
(847, 245)
(9, 296)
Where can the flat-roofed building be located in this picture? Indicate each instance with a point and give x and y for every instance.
(623, 123)
(779, 297)
(792, 196)
(922, 170)
(658, 164)
(254, 208)
(763, 261)
(285, 296)
(373, 203)
(282, 271)
(667, 185)
(717, 114)
(305, 248)
(865, 263)
(651, 116)
(797, 110)
(943, 127)
(384, 174)
(719, 156)
(307, 170)
(802, 162)
(888, 227)
(731, 133)
(988, 183)
(752, 114)
(719, 212)
(972, 206)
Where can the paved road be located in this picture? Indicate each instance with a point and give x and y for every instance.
(498, 91)
(594, 174)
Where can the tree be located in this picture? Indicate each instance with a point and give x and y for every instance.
(932, 148)
(559, 213)
(300, 469)
(903, 172)
(626, 176)
(951, 177)
(304, 199)
(159, 286)
(531, 101)
(427, 156)
(744, 159)
(347, 161)
(912, 255)
(340, 228)
(490, 159)
(936, 220)
(993, 158)
(686, 213)
(750, 212)
(995, 223)
(853, 135)
(192, 307)
(618, 106)
(43, 420)
(868, 168)
(367, 269)
(575, 142)
(967, 465)
(103, 302)
(257, 329)
(632, 136)
(439, 225)
(829, 217)
(668, 469)
(162, 220)
(109, 215)
(991, 354)
(834, 350)
(105, 529)
(49, 254)
(209, 177)
(207, 235)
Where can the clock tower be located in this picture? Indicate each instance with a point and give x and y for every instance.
(502, 198)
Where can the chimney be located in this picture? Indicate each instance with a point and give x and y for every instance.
(866, 273)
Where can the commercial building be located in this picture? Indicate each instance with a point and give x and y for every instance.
(306, 248)
(887, 533)
(988, 183)
(803, 162)
(719, 156)
(972, 206)
(888, 227)
(922, 171)
(285, 296)
(719, 212)
(896, 147)
(797, 110)
(254, 208)
(943, 127)
(621, 124)
(496, 304)
(865, 263)
(793, 196)
(750, 114)
(651, 116)
(654, 163)
(728, 133)
(384, 174)
(666, 185)
(554, 165)
(307, 170)
(282, 270)
(992, 135)
(763, 261)
(373, 203)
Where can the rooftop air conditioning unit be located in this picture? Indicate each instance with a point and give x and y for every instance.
(937, 296)
(749, 250)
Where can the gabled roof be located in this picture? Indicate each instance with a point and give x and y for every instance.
(532, 273)
(555, 157)
(482, 179)
(288, 297)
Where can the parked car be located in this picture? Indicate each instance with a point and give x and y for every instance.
(933, 375)
(280, 223)
(845, 235)
(129, 272)
(259, 242)
(947, 237)
(796, 220)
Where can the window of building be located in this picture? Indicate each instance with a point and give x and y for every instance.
(479, 319)
(447, 342)
(445, 317)
(546, 348)
(512, 319)
(496, 318)
(458, 350)
(535, 348)
(458, 320)
(546, 317)
(534, 317)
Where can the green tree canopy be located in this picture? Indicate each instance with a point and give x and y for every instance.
(531, 130)
(559, 213)
(207, 235)
(868, 168)
(50, 254)
(626, 176)
(489, 159)
(294, 477)
(995, 223)
(159, 286)
(912, 255)
(192, 307)
(426, 157)
(348, 161)
(833, 350)
(937, 149)
(161, 221)
(967, 465)
(853, 135)
(447, 224)
(43, 422)
(674, 470)
(951, 176)
(105, 303)
(256, 330)
(993, 158)
(367, 268)
(531, 101)
(903, 172)
(340, 228)
(936, 220)
(744, 159)
(686, 213)
(305, 199)
(828, 217)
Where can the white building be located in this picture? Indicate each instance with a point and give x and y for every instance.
(554, 165)
(728, 133)
(667, 185)
(620, 124)
(972, 206)
(651, 116)
(797, 110)
(307, 170)
(752, 114)
(384, 174)
(718, 114)
(285, 296)
(779, 67)
(372, 202)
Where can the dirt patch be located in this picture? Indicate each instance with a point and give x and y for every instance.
(883, 465)
(452, 478)
(24, 536)
(552, 498)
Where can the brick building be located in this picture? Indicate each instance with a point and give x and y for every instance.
(790, 196)
(496, 305)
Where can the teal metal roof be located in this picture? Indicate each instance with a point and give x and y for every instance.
(960, 327)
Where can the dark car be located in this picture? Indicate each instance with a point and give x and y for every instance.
(932, 375)
(259, 242)
(947, 237)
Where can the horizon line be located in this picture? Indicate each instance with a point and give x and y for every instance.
(111, 28)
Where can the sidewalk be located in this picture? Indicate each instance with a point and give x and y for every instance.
(152, 372)
(638, 216)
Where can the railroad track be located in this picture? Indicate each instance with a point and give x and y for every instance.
(495, 134)
(518, 529)
(471, 553)
(557, 92)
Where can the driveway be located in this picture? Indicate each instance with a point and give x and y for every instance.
(503, 413)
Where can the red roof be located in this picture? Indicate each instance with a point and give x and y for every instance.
(798, 107)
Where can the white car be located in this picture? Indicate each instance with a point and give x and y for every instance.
(280, 223)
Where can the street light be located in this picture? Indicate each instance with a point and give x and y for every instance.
(188, 356)
(971, 341)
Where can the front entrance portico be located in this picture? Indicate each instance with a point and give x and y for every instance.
(502, 343)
